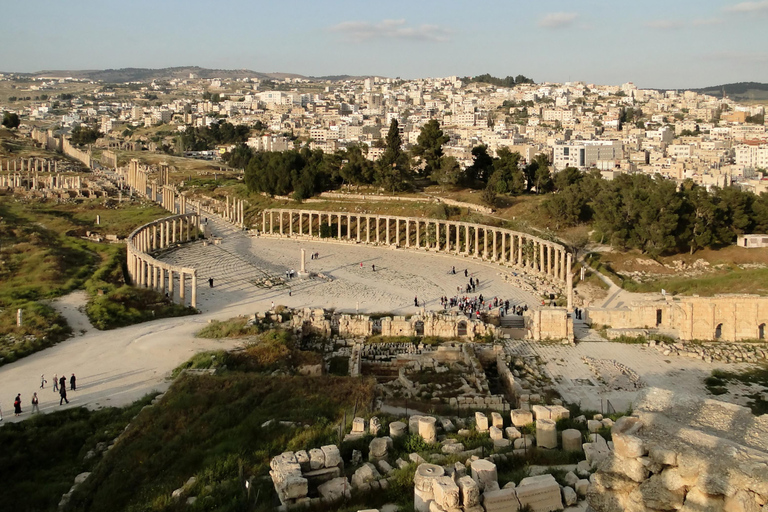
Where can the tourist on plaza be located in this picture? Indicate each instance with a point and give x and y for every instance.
(63, 394)
(72, 381)
(55, 382)
(373, 266)
(210, 282)
(416, 301)
(466, 273)
(453, 270)
(42, 381)
(62, 383)
(17, 405)
(35, 403)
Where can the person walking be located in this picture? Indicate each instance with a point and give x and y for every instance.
(466, 273)
(63, 394)
(35, 403)
(210, 282)
(17, 405)
(42, 381)
(55, 382)
(62, 383)
(72, 382)
(373, 266)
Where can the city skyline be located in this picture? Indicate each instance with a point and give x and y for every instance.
(683, 45)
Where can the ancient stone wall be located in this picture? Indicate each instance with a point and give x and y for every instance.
(722, 317)
(549, 323)
(680, 452)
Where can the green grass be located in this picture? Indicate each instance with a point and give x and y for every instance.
(42, 455)
(210, 427)
(733, 280)
(41, 328)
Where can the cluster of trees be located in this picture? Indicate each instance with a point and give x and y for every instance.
(304, 173)
(205, 138)
(509, 81)
(83, 135)
(636, 211)
(11, 120)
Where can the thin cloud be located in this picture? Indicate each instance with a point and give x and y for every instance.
(741, 57)
(761, 6)
(664, 24)
(391, 29)
(706, 22)
(558, 20)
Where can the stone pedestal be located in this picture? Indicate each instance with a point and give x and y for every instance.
(521, 417)
(397, 429)
(484, 472)
(546, 434)
(427, 429)
(425, 476)
(572, 440)
(481, 422)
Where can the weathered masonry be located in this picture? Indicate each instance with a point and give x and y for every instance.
(722, 317)
(149, 272)
(522, 251)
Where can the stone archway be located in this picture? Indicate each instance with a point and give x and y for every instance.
(761, 332)
(418, 328)
(719, 331)
(461, 328)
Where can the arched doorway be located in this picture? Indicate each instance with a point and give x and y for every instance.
(761, 332)
(462, 328)
(719, 331)
(418, 327)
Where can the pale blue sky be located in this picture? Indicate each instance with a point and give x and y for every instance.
(654, 43)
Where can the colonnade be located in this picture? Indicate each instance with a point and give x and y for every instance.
(30, 165)
(503, 246)
(149, 272)
(35, 181)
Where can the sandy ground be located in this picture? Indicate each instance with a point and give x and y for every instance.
(114, 368)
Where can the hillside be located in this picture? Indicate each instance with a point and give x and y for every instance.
(146, 74)
(741, 91)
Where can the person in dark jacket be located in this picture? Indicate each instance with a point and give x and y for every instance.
(63, 394)
(17, 405)
(62, 383)
(72, 381)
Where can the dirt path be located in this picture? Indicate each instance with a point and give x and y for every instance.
(72, 307)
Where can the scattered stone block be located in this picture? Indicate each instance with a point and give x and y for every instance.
(571, 478)
(415, 457)
(384, 467)
(470, 492)
(594, 426)
(512, 433)
(358, 426)
(569, 497)
(446, 492)
(495, 433)
(364, 474)
(397, 429)
(447, 424)
(546, 434)
(501, 443)
(316, 459)
(428, 429)
(332, 456)
(629, 446)
(558, 412)
(540, 412)
(423, 479)
(484, 471)
(336, 489)
(302, 458)
(572, 440)
(541, 493)
(374, 426)
(520, 417)
(502, 500)
(497, 420)
(377, 449)
(581, 487)
(481, 422)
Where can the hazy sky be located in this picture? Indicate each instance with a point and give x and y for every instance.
(654, 43)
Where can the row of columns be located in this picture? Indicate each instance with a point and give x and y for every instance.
(461, 238)
(30, 165)
(148, 272)
(34, 181)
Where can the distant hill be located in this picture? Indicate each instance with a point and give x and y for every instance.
(741, 91)
(146, 75)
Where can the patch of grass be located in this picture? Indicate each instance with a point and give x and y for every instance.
(128, 305)
(202, 361)
(233, 328)
(42, 327)
(339, 366)
(45, 453)
(210, 427)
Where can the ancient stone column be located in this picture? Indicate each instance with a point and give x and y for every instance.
(418, 234)
(367, 229)
(281, 222)
(387, 233)
(520, 251)
(170, 284)
(338, 217)
(182, 287)
(378, 237)
(569, 283)
(493, 256)
(407, 233)
(194, 289)
(357, 226)
(503, 247)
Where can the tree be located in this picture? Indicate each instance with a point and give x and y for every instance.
(393, 168)
(566, 177)
(429, 146)
(357, 169)
(538, 174)
(449, 172)
(82, 135)
(11, 120)
(482, 167)
(507, 178)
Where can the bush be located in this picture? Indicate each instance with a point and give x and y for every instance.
(127, 306)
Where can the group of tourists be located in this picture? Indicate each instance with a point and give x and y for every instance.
(59, 386)
(477, 305)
